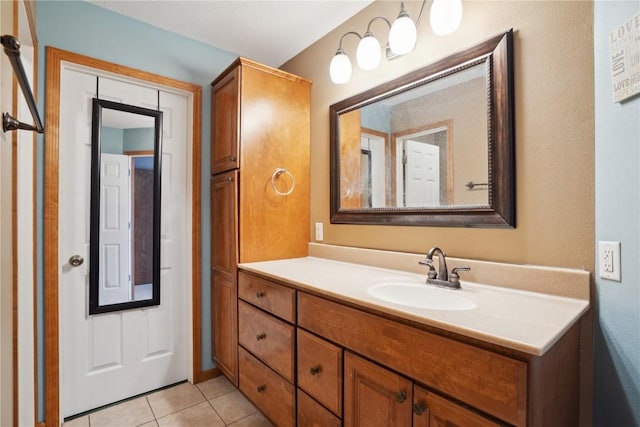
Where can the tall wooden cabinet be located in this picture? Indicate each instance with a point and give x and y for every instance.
(260, 132)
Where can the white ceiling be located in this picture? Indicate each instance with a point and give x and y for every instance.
(268, 31)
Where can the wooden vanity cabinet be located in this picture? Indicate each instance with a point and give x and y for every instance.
(320, 370)
(357, 367)
(224, 261)
(267, 350)
(269, 339)
(260, 125)
(269, 392)
(225, 112)
(432, 410)
(375, 396)
(312, 414)
(469, 385)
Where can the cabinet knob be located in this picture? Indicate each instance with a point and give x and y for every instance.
(261, 336)
(419, 408)
(261, 294)
(401, 396)
(261, 388)
(314, 370)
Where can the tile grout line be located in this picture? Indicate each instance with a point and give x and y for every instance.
(224, 423)
(146, 398)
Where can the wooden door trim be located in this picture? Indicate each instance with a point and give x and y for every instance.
(51, 192)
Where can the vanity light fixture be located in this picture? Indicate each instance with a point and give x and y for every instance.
(368, 53)
(445, 19)
(445, 16)
(340, 67)
(403, 33)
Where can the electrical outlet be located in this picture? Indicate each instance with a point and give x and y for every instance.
(609, 256)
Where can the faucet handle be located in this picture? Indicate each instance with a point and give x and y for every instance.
(454, 277)
(431, 274)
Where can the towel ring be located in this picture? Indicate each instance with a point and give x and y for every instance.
(277, 173)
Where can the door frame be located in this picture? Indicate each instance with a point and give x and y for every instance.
(54, 58)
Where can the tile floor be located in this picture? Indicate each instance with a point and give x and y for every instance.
(214, 403)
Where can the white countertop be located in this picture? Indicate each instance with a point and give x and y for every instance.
(526, 321)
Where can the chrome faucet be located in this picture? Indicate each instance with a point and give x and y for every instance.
(442, 277)
(442, 263)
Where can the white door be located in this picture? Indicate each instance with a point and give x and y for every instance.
(114, 279)
(111, 356)
(422, 174)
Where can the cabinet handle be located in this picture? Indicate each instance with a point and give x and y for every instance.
(419, 408)
(261, 388)
(232, 158)
(261, 294)
(400, 396)
(261, 336)
(314, 370)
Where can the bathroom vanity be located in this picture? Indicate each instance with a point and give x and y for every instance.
(316, 348)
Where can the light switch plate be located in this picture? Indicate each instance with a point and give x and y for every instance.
(319, 232)
(609, 260)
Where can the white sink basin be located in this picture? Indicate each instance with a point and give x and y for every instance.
(421, 296)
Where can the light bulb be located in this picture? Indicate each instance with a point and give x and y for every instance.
(402, 36)
(445, 16)
(368, 53)
(340, 68)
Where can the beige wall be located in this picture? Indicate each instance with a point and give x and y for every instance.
(6, 230)
(553, 45)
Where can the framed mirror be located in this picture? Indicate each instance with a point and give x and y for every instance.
(434, 147)
(124, 253)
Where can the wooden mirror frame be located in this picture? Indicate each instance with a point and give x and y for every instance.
(500, 213)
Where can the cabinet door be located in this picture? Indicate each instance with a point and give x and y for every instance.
(375, 396)
(312, 414)
(431, 410)
(320, 370)
(224, 123)
(224, 257)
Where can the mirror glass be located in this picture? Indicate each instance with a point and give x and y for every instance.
(124, 269)
(434, 147)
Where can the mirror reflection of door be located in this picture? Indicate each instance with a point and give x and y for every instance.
(421, 174)
(125, 259)
(142, 224)
(115, 232)
(424, 172)
(126, 197)
(372, 169)
(365, 177)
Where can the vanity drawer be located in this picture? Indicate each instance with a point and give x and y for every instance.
(270, 296)
(312, 414)
(268, 338)
(491, 382)
(269, 392)
(320, 370)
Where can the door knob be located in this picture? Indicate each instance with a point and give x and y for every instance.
(76, 260)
